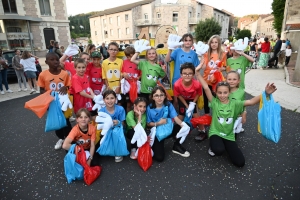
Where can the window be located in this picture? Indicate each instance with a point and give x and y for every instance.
(118, 20)
(14, 29)
(45, 7)
(119, 33)
(127, 31)
(146, 16)
(104, 22)
(95, 32)
(111, 32)
(198, 15)
(158, 15)
(175, 16)
(215, 15)
(110, 20)
(94, 22)
(190, 14)
(221, 18)
(126, 17)
(9, 6)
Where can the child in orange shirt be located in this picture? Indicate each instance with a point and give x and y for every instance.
(83, 134)
(57, 80)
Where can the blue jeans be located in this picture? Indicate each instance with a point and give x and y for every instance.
(3, 79)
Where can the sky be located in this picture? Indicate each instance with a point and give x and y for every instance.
(239, 9)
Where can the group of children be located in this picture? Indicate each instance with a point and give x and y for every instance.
(83, 81)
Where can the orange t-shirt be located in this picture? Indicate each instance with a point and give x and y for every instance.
(81, 138)
(211, 63)
(53, 82)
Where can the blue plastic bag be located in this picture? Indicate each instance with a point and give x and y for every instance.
(55, 117)
(73, 170)
(114, 143)
(269, 119)
(187, 120)
(164, 130)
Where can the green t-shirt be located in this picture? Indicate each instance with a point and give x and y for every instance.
(239, 64)
(131, 120)
(150, 75)
(223, 118)
(239, 95)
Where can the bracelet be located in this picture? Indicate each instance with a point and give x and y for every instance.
(90, 158)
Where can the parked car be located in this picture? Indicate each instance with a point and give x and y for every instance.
(8, 55)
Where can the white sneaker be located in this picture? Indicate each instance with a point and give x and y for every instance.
(25, 89)
(37, 91)
(118, 158)
(72, 119)
(132, 154)
(20, 89)
(32, 91)
(9, 91)
(210, 152)
(2, 92)
(58, 144)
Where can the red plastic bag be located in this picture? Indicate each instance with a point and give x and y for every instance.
(202, 120)
(218, 77)
(90, 174)
(145, 156)
(40, 104)
(133, 94)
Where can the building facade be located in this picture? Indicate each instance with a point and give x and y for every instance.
(123, 24)
(31, 24)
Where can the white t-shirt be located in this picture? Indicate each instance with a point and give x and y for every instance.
(283, 47)
(288, 52)
(28, 64)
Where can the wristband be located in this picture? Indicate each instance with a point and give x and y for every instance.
(90, 158)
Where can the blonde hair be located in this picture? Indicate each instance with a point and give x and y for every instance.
(152, 48)
(219, 49)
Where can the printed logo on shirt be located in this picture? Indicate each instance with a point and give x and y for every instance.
(53, 86)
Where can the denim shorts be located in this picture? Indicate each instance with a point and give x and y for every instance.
(30, 74)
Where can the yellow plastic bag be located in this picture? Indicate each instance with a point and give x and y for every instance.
(68, 113)
(260, 106)
(200, 102)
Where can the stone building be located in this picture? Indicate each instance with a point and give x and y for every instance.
(122, 24)
(262, 27)
(31, 24)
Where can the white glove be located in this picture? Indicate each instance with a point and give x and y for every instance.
(65, 102)
(98, 106)
(152, 135)
(173, 41)
(138, 87)
(103, 89)
(119, 97)
(201, 48)
(139, 136)
(98, 98)
(237, 128)
(184, 131)
(104, 122)
(190, 109)
(125, 86)
(72, 50)
(141, 45)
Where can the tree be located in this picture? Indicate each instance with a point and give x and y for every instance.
(243, 33)
(205, 29)
(278, 12)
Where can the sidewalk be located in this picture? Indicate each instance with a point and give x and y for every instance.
(287, 95)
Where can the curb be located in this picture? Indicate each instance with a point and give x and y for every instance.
(287, 78)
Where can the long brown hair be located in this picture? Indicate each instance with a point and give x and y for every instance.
(219, 49)
(25, 55)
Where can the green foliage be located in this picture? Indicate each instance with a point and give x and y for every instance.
(243, 33)
(278, 12)
(90, 41)
(255, 17)
(205, 29)
(80, 20)
(230, 38)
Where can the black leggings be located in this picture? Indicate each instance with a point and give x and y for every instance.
(159, 147)
(219, 145)
(129, 135)
(64, 132)
(274, 58)
(206, 108)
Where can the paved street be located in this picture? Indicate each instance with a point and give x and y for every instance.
(30, 168)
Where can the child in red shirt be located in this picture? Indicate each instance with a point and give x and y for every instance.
(81, 90)
(94, 72)
(130, 72)
(187, 90)
(57, 80)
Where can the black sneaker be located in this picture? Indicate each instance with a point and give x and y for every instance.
(201, 136)
(180, 150)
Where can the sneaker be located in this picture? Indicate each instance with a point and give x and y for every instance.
(25, 89)
(32, 91)
(20, 89)
(180, 150)
(9, 91)
(201, 136)
(72, 119)
(37, 91)
(58, 144)
(132, 154)
(2, 92)
(118, 158)
(210, 152)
